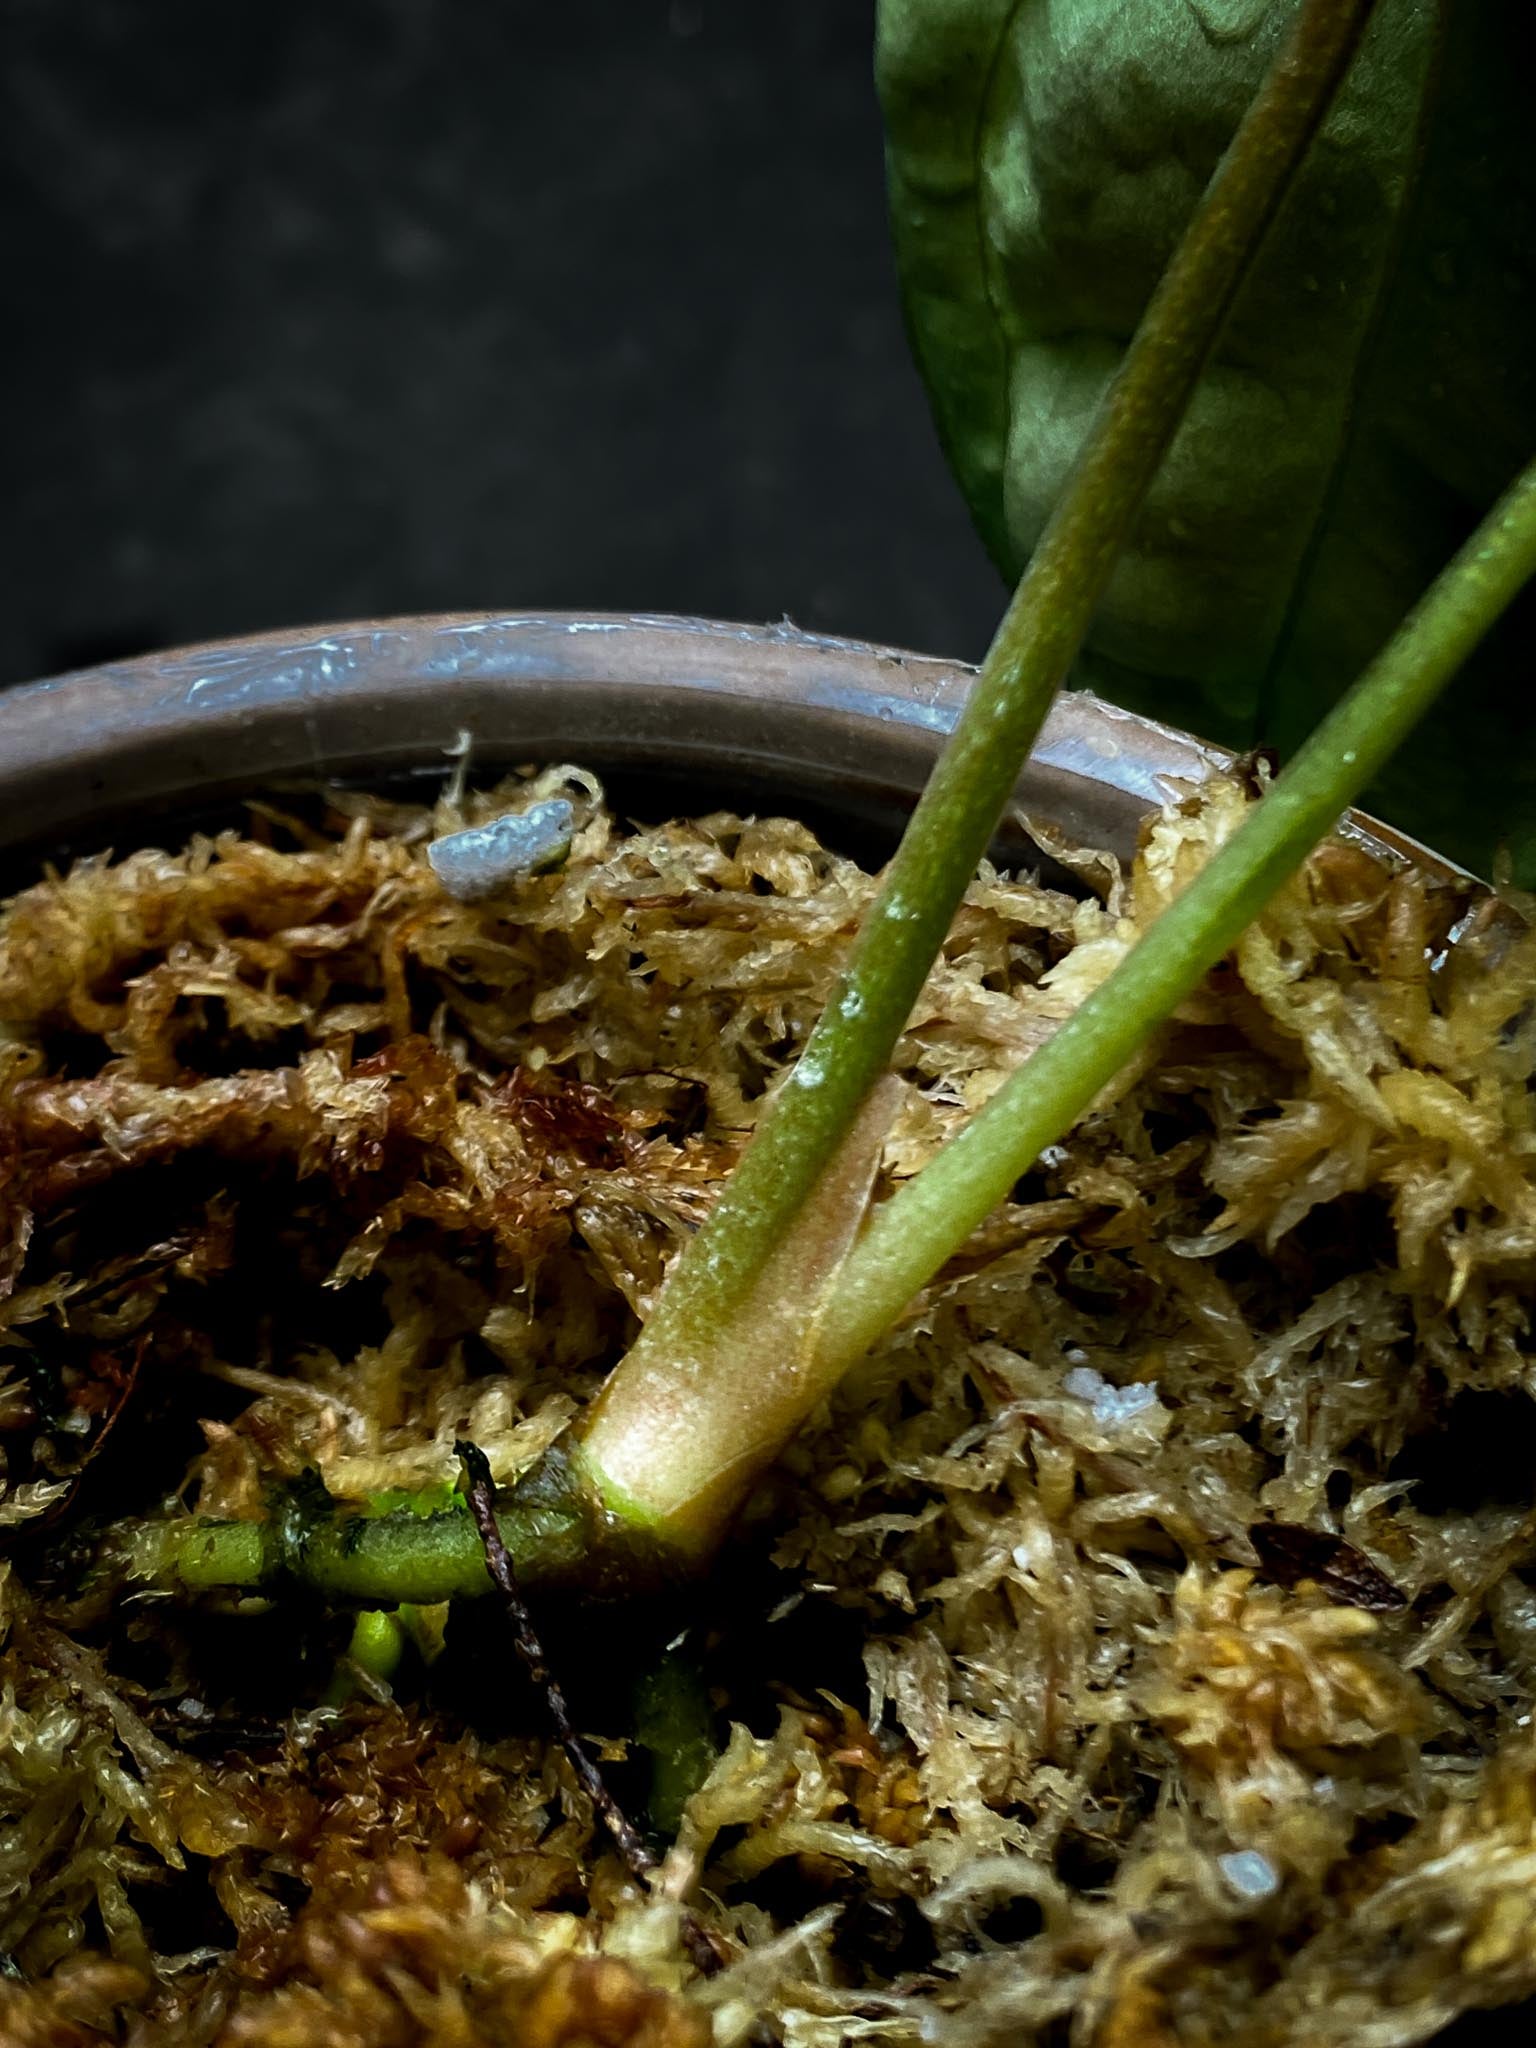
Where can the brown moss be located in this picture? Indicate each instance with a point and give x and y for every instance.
(1194, 1624)
(413, 1957)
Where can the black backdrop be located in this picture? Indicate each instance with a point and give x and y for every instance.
(322, 308)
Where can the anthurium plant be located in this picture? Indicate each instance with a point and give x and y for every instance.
(791, 1278)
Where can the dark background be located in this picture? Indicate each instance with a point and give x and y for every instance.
(325, 308)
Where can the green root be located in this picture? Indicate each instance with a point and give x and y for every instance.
(375, 1651)
(401, 1556)
(675, 1725)
(378, 1643)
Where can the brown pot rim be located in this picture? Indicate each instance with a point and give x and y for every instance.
(840, 722)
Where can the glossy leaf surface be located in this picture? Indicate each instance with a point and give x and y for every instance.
(1374, 391)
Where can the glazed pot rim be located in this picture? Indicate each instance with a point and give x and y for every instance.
(841, 722)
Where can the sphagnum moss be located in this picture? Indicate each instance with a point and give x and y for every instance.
(1076, 1551)
(1069, 1647)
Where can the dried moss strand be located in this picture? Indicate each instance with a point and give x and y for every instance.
(912, 1235)
(638, 1860)
(1033, 649)
(481, 1496)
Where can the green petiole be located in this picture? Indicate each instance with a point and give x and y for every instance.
(1039, 637)
(910, 1236)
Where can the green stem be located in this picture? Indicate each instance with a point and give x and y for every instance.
(911, 1235)
(370, 1558)
(386, 1560)
(1034, 647)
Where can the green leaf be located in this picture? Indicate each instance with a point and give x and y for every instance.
(1373, 394)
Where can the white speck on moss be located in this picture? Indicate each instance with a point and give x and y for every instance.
(1250, 1873)
(1036, 1554)
(1111, 1405)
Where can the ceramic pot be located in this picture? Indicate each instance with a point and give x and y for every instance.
(678, 714)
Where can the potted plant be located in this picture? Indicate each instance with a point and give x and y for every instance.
(1197, 1702)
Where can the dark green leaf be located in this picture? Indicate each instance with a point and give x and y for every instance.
(1375, 390)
